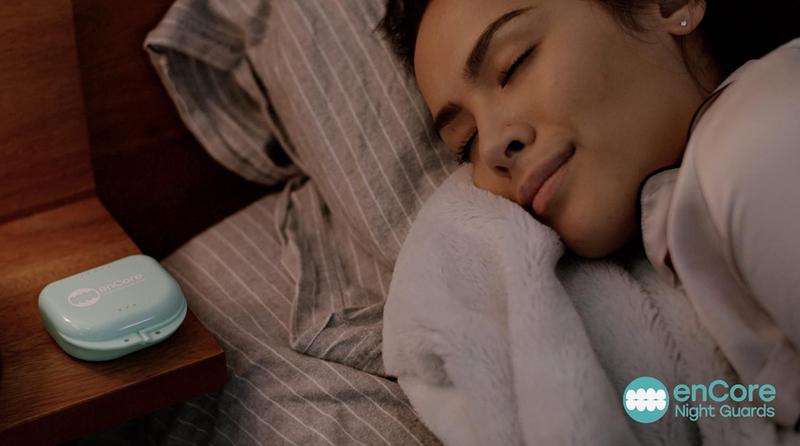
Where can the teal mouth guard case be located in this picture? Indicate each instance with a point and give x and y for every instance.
(114, 309)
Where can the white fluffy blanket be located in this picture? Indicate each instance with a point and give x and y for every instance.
(499, 338)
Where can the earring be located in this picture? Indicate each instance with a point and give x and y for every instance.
(684, 23)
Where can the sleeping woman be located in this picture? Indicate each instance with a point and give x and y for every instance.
(669, 125)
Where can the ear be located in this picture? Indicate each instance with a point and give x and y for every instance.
(681, 18)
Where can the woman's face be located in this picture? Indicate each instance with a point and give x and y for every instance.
(558, 80)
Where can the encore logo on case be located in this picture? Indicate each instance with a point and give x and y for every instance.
(645, 399)
(83, 297)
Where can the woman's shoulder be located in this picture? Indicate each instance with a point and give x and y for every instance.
(751, 132)
(768, 77)
(744, 153)
(755, 93)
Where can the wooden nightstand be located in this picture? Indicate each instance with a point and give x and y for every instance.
(52, 225)
(47, 396)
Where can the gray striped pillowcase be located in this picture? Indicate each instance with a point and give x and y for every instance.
(356, 122)
(312, 76)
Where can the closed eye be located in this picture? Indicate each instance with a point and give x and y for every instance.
(463, 154)
(505, 76)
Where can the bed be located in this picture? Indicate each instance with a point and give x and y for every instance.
(322, 156)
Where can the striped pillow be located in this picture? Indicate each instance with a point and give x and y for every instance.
(199, 57)
(329, 90)
(352, 118)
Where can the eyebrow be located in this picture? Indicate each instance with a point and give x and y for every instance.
(478, 54)
(474, 65)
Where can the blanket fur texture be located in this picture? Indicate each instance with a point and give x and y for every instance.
(501, 337)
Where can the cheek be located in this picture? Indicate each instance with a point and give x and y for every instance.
(604, 107)
(570, 89)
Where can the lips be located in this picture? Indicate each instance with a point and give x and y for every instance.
(534, 181)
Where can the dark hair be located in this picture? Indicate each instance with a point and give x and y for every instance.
(733, 31)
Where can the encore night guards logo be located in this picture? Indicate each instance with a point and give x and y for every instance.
(646, 400)
(85, 297)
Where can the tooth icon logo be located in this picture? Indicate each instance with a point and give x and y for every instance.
(83, 297)
(645, 399)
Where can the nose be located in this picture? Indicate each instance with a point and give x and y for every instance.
(502, 148)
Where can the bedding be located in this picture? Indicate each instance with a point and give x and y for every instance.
(293, 286)
(348, 118)
(241, 287)
(343, 109)
(305, 95)
(198, 58)
(526, 344)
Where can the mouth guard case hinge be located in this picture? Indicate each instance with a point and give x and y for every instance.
(114, 309)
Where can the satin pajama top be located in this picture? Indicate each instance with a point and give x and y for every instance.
(724, 224)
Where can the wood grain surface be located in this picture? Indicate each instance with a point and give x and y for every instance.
(44, 153)
(52, 225)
